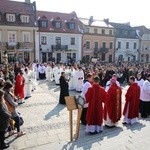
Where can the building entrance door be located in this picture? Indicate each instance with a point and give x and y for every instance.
(43, 57)
(58, 57)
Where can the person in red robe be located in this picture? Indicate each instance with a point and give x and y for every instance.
(19, 87)
(95, 96)
(112, 108)
(131, 108)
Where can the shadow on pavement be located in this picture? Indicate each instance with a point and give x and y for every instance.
(54, 112)
(137, 126)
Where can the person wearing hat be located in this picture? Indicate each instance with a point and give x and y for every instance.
(108, 82)
(145, 98)
(113, 103)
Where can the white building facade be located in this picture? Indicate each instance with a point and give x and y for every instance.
(58, 47)
(127, 50)
(59, 38)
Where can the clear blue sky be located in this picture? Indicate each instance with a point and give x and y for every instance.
(137, 12)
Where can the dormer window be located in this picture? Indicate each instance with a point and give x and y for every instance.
(11, 17)
(57, 24)
(25, 18)
(71, 25)
(43, 24)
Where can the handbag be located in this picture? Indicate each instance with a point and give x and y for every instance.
(10, 107)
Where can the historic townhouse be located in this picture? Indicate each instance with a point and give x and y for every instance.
(144, 35)
(126, 42)
(59, 37)
(98, 40)
(17, 30)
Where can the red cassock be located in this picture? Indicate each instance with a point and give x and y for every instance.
(95, 96)
(132, 101)
(19, 86)
(113, 103)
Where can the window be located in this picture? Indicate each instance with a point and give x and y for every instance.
(111, 45)
(87, 30)
(95, 31)
(24, 18)
(71, 25)
(134, 46)
(127, 45)
(11, 17)
(12, 40)
(103, 31)
(72, 41)
(58, 40)
(87, 45)
(74, 56)
(110, 32)
(0, 36)
(104, 44)
(119, 44)
(57, 24)
(96, 45)
(43, 40)
(26, 37)
(44, 24)
(0, 17)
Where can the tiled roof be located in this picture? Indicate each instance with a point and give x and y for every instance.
(124, 30)
(96, 23)
(121, 25)
(142, 29)
(64, 17)
(18, 8)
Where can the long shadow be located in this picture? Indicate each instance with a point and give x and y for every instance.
(86, 141)
(137, 126)
(54, 112)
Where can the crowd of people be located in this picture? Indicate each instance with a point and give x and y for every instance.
(99, 85)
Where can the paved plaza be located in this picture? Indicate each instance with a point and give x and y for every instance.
(47, 127)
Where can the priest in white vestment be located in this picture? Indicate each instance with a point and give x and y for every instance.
(27, 87)
(80, 78)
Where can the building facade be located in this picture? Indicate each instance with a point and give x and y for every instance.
(98, 40)
(59, 37)
(126, 42)
(144, 51)
(17, 30)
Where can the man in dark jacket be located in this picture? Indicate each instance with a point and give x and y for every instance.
(64, 88)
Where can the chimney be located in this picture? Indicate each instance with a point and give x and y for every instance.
(91, 20)
(27, 1)
(106, 21)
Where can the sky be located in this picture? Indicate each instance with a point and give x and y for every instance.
(137, 12)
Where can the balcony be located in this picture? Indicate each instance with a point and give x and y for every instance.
(59, 47)
(103, 50)
(26, 45)
(12, 46)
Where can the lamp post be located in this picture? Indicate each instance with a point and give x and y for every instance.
(5, 58)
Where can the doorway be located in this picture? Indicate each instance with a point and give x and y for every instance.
(58, 57)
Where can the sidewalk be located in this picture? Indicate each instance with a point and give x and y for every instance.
(47, 127)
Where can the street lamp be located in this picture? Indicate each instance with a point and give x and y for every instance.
(5, 58)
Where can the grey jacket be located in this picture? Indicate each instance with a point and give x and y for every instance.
(4, 117)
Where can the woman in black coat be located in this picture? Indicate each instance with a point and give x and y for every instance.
(64, 88)
(4, 120)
